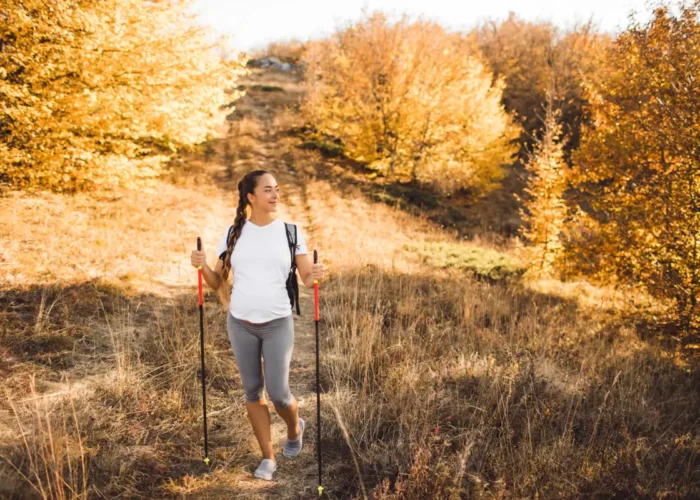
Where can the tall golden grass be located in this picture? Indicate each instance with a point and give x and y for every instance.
(56, 465)
(453, 387)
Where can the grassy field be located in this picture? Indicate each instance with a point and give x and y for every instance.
(444, 375)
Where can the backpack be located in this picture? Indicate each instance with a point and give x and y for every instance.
(292, 283)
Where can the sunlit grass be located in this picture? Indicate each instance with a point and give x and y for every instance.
(484, 262)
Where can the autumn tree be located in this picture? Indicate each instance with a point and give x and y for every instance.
(527, 55)
(544, 209)
(638, 168)
(410, 100)
(98, 93)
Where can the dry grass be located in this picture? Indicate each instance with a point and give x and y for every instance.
(458, 388)
(54, 453)
(97, 294)
(130, 373)
(50, 238)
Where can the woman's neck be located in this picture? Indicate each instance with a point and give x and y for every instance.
(261, 219)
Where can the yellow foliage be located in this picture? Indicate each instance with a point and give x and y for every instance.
(101, 93)
(527, 54)
(411, 101)
(544, 210)
(639, 163)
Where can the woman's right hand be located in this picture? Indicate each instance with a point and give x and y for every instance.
(198, 258)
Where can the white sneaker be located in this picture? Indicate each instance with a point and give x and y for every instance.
(265, 469)
(293, 448)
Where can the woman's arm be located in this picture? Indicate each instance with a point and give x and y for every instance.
(213, 276)
(308, 271)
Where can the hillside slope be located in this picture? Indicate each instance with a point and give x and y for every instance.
(431, 353)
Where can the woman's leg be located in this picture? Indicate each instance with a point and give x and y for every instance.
(291, 417)
(247, 349)
(259, 416)
(277, 347)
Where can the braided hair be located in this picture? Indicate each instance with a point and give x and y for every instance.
(246, 186)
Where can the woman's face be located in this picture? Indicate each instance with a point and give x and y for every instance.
(266, 195)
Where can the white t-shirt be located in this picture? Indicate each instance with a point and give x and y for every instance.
(260, 263)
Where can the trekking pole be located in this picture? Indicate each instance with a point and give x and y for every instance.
(318, 390)
(201, 343)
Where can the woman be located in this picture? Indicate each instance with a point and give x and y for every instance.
(260, 318)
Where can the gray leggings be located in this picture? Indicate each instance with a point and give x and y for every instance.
(275, 341)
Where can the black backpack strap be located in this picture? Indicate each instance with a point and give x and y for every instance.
(292, 241)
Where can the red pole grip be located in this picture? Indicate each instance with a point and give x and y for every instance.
(316, 315)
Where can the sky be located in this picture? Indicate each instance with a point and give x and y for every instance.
(253, 24)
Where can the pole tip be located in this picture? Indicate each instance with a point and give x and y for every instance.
(206, 460)
(320, 490)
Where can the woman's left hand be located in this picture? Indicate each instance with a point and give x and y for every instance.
(318, 271)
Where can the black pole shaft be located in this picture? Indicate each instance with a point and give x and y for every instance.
(204, 381)
(204, 373)
(318, 384)
(318, 411)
